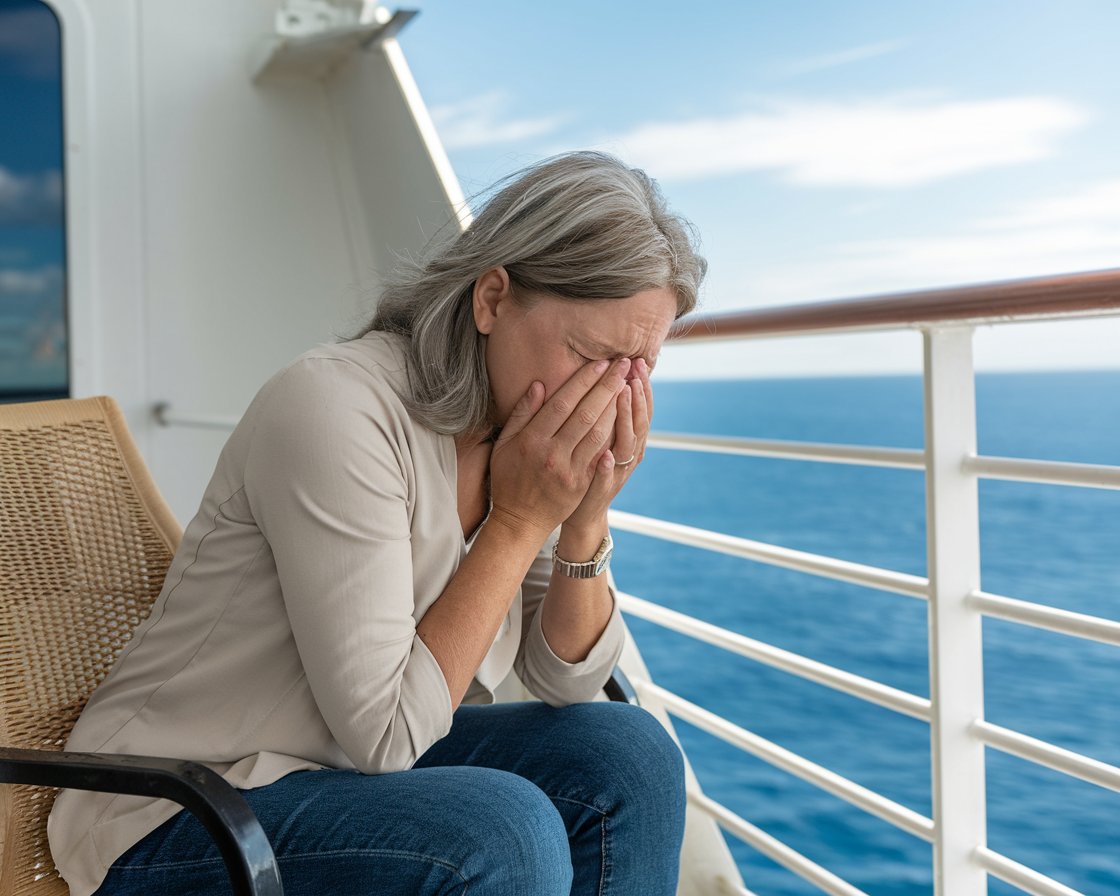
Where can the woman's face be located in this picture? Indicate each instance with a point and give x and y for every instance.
(553, 338)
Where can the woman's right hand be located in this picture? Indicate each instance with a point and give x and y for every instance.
(548, 452)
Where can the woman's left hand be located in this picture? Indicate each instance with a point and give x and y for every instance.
(634, 412)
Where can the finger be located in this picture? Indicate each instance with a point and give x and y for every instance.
(590, 407)
(603, 483)
(625, 440)
(564, 400)
(598, 437)
(524, 411)
(647, 388)
(641, 415)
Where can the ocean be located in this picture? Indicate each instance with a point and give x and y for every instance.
(1051, 544)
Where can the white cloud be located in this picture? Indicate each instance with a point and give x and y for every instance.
(17, 282)
(1098, 203)
(887, 142)
(32, 325)
(841, 57)
(30, 198)
(483, 121)
(1076, 231)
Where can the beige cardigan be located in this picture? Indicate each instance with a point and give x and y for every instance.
(285, 634)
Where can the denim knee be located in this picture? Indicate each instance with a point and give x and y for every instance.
(652, 750)
(635, 756)
(516, 835)
(632, 773)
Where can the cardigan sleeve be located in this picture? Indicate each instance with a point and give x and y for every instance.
(327, 482)
(550, 678)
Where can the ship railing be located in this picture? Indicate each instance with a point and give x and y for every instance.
(960, 734)
(946, 319)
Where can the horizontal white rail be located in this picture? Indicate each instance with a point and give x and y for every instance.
(838, 454)
(768, 751)
(1048, 471)
(983, 466)
(166, 417)
(774, 849)
(1052, 619)
(821, 673)
(1026, 879)
(814, 564)
(1042, 753)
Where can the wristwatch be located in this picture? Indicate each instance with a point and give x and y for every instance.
(596, 566)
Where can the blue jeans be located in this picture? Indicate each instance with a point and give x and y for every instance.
(519, 799)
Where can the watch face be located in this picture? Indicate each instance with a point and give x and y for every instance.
(604, 560)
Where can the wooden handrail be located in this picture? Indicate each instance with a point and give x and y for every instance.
(1060, 296)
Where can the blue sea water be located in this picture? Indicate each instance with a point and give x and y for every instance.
(1050, 544)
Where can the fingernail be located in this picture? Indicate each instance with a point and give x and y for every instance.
(600, 366)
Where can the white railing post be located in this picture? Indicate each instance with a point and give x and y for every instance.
(955, 642)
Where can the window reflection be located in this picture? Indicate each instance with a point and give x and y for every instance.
(33, 337)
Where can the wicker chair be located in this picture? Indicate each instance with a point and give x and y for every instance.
(85, 543)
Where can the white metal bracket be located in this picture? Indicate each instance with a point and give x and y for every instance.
(312, 37)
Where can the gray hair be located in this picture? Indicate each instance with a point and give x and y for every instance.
(581, 226)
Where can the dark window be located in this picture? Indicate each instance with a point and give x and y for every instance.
(33, 335)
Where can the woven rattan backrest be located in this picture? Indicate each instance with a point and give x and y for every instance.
(85, 542)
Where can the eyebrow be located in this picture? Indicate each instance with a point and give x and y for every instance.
(612, 353)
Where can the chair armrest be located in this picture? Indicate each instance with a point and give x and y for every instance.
(619, 689)
(217, 804)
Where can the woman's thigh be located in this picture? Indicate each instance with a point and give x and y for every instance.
(614, 774)
(446, 831)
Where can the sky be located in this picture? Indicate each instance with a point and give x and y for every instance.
(32, 240)
(823, 150)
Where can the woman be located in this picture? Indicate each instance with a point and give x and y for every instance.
(397, 522)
